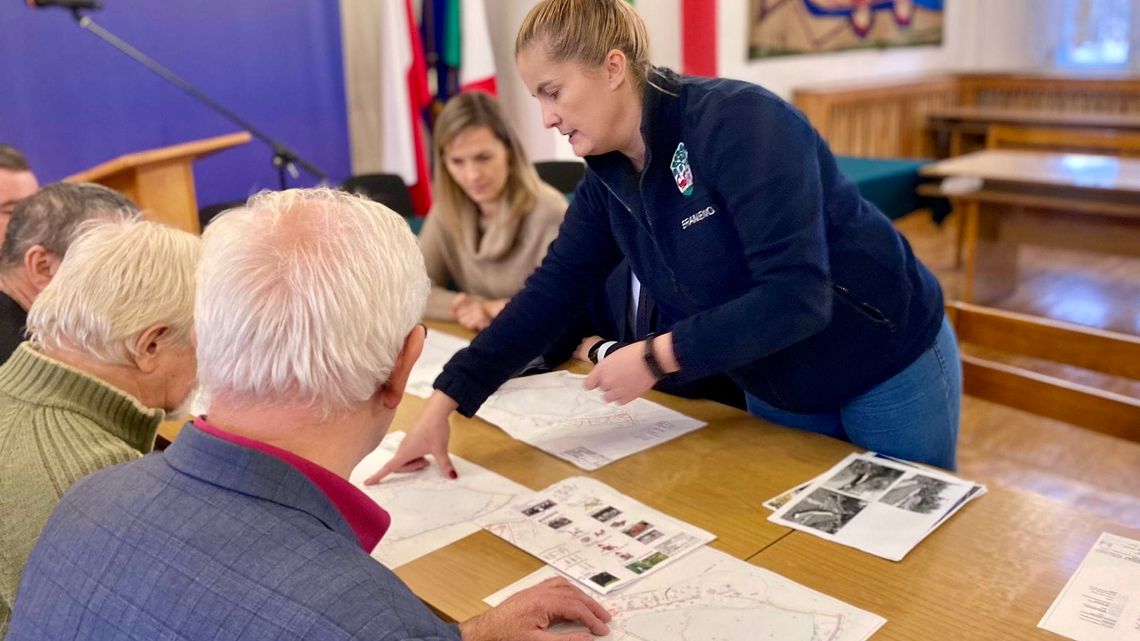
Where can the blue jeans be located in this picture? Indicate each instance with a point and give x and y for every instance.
(913, 415)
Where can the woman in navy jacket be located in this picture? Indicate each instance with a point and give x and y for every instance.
(730, 209)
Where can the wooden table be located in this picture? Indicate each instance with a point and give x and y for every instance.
(954, 128)
(990, 572)
(1072, 201)
(714, 478)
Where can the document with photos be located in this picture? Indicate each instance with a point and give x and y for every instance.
(1101, 601)
(427, 510)
(778, 501)
(556, 414)
(438, 349)
(711, 595)
(593, 534)
(876, 504)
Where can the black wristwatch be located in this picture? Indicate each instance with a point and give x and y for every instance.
(651, 361)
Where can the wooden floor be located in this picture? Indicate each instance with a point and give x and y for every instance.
(1093, 473)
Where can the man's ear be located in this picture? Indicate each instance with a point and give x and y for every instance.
(40, 266)
(616, 67)
(148, 346)
(393, 390)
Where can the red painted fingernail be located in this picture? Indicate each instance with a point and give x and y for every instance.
(453, 474)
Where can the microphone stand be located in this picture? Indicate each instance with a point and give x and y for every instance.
(284, 158)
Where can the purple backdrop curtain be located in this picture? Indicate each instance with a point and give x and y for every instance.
(71, 101)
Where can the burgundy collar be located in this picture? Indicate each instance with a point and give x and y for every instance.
(368, 520)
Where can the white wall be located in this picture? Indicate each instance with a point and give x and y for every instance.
(504, 18)
(663, 22)
(662, 19)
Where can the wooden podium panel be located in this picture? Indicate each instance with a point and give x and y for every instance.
(161, 181)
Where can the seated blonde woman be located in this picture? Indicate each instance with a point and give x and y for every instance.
(493, 218)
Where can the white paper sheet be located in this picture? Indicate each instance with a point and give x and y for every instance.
(556, 414)
(1101, 601)
(710, 595)
(594, 534)
(429, 511)
(438, 349)
(876, 504)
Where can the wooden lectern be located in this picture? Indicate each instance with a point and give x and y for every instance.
(161, 180)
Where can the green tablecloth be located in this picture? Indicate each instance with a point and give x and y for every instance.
(890, 184)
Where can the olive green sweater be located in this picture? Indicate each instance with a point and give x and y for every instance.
(57, 425)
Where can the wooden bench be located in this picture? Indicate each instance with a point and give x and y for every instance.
(888, 117)
(1093, 141)
(962, 129)
(1093, 408)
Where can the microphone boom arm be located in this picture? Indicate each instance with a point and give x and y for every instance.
(284, 158)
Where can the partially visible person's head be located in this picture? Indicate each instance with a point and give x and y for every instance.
(307, 297)
(43, 225)
(586, 61)
(123, 302)
(483, 160)
(17, 182)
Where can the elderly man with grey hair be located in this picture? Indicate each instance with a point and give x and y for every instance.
(247, 526)
(39, 231)
(110, 351)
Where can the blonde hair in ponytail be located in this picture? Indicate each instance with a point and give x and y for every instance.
(585, 31)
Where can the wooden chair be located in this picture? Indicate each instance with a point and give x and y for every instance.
(1094, 141)
(1090, 407)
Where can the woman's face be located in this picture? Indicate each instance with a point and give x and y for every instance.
(479, 163)
(577, 100)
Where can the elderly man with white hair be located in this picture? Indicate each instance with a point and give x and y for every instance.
(110, 352)
(307, 324)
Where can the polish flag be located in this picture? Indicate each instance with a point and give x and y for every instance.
(403, 94)
(477, 61)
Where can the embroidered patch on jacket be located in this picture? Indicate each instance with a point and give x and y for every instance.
(689, 221)
(682, 172)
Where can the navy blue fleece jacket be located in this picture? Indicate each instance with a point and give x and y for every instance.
(741, 225)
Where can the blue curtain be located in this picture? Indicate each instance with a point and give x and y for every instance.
(71, 101)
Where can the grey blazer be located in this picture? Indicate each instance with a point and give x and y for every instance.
(209, 540)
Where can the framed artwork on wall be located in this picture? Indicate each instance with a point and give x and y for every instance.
(792, 27)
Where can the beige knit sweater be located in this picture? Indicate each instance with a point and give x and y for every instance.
(57, 425)
(492, 263)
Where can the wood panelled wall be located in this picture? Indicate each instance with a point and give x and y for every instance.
(1050, 93)
(887, 118)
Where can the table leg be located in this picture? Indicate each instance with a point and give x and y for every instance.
(991, 253)
(967, 246)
